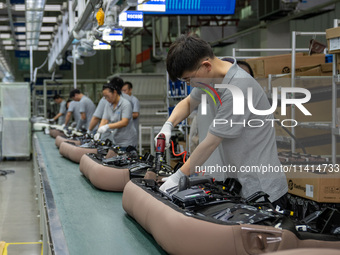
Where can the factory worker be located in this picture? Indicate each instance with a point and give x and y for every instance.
(62, 109)
(127, 89)
(86, 108)
(72, 109)
(117, 116)
(192, 60)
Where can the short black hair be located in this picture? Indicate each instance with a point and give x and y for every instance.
(115, 84)
(241, 62)
(185, 54)
(56, 97)
(74, 92)
(129, 84)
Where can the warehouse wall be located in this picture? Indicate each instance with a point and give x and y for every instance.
(279, 36)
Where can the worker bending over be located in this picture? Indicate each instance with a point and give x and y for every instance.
(86, 108)
(192, 60)
(127, 89)
(117, 117)
(62, 109)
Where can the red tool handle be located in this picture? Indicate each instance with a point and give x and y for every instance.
(160, 145)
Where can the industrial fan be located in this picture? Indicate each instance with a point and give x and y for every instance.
(79, 60)
(85, 49)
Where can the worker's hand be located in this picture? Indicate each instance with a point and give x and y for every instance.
(63, 126)
(172, 181)
(51, 121)
(166, 130)
(89, 132)
(96, 137)
(103, 129)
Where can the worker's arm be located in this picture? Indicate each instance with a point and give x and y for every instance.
(82, 121)
(135, 115)
(57, 116)
(104, 126)
(183, 110)
(197, 158)
(83, 115)
(202, 152)
(103, 122)
(68, 117)
(94, 121)
(119, 124)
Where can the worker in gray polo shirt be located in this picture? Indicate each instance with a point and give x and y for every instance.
(98, 114)
(117, 116)
(127, 89)
(72, 109)
(242, 145)
(86, 108)
(96, 118)
(62, 109)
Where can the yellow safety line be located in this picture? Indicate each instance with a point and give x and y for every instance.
(7, 244)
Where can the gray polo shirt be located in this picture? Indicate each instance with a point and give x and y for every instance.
(88, 107)
(74, 108)
(135, 108)
(124, 136)
(100, 108)
(244, 146)
(62, 109)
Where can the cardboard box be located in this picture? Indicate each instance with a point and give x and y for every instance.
(333, 40)
(320, 187)
(281, 64)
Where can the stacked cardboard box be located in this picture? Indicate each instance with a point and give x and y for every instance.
(281, 64)
(320, 108)
(323, 186)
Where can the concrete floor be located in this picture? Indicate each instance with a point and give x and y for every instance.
(19, 222)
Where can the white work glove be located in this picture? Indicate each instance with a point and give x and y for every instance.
(166, 130)
(96, 137)
(103, 129)
(172, 181)
(63, 126)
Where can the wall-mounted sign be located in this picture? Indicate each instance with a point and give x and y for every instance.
(115, 34)
(151, 6)
(98, 45)
(131, 19)
(198, 7)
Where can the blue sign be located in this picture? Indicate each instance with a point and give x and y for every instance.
(131, 19)
(198, 7)
(115, 34)
(151, 6)
(22, 54)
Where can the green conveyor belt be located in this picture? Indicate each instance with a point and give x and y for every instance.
(93, 221)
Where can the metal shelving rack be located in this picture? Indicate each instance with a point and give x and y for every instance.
(294, 34)
(335, 80)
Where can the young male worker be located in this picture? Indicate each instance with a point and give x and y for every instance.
(127, 89)
(72, 109)
(86, 108)
(192, 59)
(62, 109)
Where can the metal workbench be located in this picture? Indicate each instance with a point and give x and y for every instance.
(76, 218)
